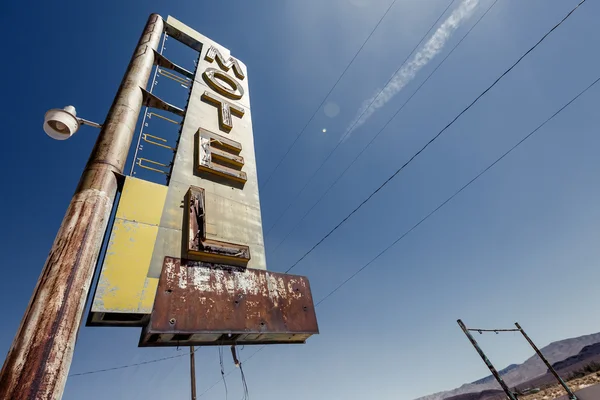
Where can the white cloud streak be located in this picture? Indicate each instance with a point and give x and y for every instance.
(426, 53)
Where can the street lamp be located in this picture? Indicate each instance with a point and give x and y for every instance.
(61, 124)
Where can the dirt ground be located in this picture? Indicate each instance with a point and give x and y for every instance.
(557, 390)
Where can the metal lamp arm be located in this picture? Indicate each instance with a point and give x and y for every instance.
(89, 123)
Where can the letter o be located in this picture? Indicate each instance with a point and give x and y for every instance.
(216, 80)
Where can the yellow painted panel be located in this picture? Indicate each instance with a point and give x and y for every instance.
(123, 284)
(148, 295)
(142, 201)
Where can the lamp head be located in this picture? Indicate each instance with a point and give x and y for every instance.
(61, 124)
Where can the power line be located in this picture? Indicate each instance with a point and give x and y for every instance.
(353, 125)
(328, 94)
(432, 139)
(128, 366)
(459, 191)
(331, 293)
(381, 130)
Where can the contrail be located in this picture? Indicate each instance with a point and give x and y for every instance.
(428, 51)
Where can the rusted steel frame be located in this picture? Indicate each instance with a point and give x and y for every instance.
(552, 370)
(487, 362)
(39, 359)
(201, 248)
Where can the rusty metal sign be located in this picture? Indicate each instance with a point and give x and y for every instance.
(198, 303)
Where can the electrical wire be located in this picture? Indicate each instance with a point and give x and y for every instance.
(529, 135)
(261, 348)
(327, 95)
(365, 110)
(389, 179)
(127, 366)
(246, 392)
(223, 371)
(380, 131)
(458, 192)
(244, 384)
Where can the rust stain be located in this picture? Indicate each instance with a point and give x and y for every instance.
(203, 249)
(217, 305)
(55, 310)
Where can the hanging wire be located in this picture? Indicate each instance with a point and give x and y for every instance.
(223, 371)
(127, 366)
(246, 395)
(236, 361)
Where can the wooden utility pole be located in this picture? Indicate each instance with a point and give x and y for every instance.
(39, 359)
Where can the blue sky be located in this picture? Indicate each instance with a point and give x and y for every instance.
(518, 245)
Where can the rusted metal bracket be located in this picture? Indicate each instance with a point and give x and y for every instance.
(200, 304)
(140, 161)
(198, 246)
(145, 137)
(152, 101)
(150, 114)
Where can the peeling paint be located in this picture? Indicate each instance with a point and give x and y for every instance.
(205, 299)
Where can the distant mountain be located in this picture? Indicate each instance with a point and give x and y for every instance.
(567, 367)
(523, 373)
(585, 354)
(490, 378)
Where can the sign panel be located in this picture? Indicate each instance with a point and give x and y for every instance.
(210, 210)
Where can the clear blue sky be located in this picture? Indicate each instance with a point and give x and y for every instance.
(521, 244)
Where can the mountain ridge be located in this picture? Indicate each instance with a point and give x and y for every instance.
(491, 378)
